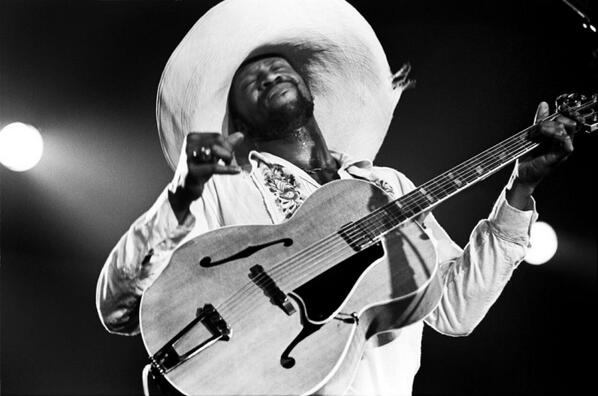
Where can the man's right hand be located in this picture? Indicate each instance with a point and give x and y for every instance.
(207, 154)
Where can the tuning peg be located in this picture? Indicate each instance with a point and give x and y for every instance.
(584, 109)
(567, 101)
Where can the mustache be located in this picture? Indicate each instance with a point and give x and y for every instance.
(283, 79)
(287, 79)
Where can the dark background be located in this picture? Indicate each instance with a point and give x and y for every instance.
(86, 73)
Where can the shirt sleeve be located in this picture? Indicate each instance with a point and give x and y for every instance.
(141, 255)
(474, 276)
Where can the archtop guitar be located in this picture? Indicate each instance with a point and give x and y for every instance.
(287, 309)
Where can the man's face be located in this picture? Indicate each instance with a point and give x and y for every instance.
(270, 97)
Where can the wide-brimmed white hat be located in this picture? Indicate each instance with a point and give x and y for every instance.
(327, 41)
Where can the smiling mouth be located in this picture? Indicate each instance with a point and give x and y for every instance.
(279, 89)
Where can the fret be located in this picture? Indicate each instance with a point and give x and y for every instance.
(436, 190)
(415, 200)
(395, 214)
(440, 188)
(447, 185)
(427, 195)
(459, 178)
(390, 217)
(456, 180)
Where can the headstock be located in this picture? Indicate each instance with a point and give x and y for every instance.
(586, 108)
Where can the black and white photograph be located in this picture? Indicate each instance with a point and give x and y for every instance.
(297, 197)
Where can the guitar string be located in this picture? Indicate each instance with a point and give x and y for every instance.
(411, 200)
(276, 269)
(285, 264)
(252, 295)
(419, 210)
(390, 205)
(524, 150)
(432, 187)
(490, 153)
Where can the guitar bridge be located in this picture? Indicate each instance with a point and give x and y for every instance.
(167, 358)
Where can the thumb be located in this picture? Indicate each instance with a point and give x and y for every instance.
(542, 112)
(235, 139)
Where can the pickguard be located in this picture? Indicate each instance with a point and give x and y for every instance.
(322, 296)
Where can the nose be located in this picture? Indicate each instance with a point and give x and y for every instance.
(269, 78)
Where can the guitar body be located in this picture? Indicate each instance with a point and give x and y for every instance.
(313, 340)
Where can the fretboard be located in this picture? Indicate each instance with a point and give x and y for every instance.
(430, 194)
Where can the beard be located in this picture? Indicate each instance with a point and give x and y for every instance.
(284, 120)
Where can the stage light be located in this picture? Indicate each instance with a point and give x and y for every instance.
(543, 242)
(21, 146)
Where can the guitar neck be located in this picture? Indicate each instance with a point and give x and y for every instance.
(450, 183)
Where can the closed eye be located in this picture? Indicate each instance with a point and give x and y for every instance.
(246, 84)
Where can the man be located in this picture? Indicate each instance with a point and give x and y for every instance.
(278, 157)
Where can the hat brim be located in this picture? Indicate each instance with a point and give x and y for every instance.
(329, 43)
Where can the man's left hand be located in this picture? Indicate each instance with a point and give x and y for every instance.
(556, 146)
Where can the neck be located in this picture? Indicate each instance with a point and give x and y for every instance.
(303, 146)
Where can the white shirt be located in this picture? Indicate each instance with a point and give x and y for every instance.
(473, 277)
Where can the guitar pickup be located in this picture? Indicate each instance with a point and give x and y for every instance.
(277, 297)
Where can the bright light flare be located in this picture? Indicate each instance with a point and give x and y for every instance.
(543, 242)
(21, 146)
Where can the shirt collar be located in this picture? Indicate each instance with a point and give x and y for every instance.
(346, 162)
